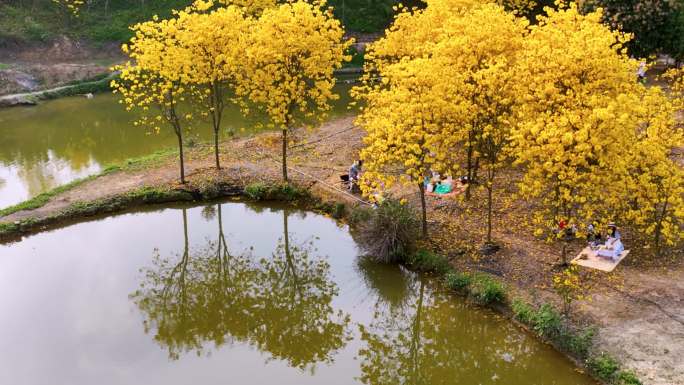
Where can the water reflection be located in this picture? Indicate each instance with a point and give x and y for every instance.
(61, 140)
(225, 288)
(437, 340)
(280, 304)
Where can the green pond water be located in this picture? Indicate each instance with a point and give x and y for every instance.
(58, 141)
(236, 293)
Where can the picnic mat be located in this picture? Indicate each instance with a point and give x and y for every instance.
(593, 261)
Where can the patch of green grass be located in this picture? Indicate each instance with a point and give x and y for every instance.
(99, 21)
(458, 281)
(260, 191)
(627, 378)
(42, 199)
(487, 290)
(427, 261)
(522, 311)
(4, 66)
(335, 210)
(604, 367)
(79, 88)
(154, 159)
(546, 321)
(360, 214)
(577, 343)
(7, 227)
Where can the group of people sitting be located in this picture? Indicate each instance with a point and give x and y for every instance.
(612, 247)
(436, 184)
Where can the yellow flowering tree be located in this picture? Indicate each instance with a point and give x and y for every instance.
(480, 51)
(654, 183)
(290, 62)
(404, 118)
(675, 79)
(151, 84)
(577, 101)
(462, 59)
(209, 55)
(568, 285)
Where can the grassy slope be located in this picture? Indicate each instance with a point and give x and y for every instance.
(108, 20)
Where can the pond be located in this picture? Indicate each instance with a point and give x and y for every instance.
(61, 140)
(245, 294)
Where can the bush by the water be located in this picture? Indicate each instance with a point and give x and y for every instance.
(483, 288)
(603, 366)
(486, 290)
(389, 231)
(427, 261)
(336, 210)
(283, 192)
(547, 321)
(522, 311)
(577, 342)
(627, 378)
(458, 281)
(607, 369)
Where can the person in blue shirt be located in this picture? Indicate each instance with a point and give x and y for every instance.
(354, 174)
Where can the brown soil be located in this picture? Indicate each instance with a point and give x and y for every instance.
(639, 309)
(44, 65)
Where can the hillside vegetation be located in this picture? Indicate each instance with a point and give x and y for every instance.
(109, 20)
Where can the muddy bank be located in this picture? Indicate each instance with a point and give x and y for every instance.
(29, 67)
(84, 88)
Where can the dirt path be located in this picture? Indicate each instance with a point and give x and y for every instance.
(639, 309)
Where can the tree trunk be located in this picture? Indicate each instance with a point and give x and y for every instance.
(659, 228)
(216, 117)
(490, 187)
(285, 154)
(476, 168)
(469, 173)
(216, 146)
(179, 135)
(564, 261)
(421, 188)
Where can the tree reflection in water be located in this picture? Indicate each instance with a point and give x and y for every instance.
(433, 340)
(279, 304)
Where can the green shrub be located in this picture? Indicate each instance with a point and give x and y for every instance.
(578, 343)
(603, 366)
(256, 191)
(427, 261)
(487, 290)
(547, 322)
(359, 215)
(522, 311)
(338, 210)
(389, 233)
(458, 281)
(627, 378)
(283, 192)
(288, 192)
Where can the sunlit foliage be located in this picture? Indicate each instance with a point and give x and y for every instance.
(290, 61)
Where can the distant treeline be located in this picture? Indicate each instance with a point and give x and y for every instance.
(657, 25)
